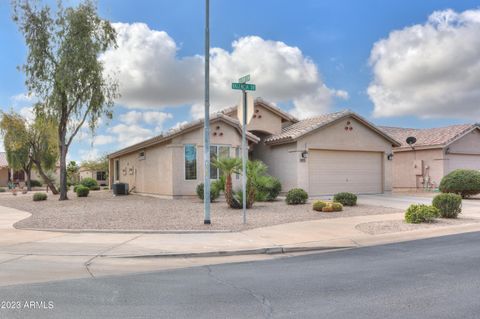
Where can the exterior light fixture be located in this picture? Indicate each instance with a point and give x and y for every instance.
(390, 156)
(304, 154)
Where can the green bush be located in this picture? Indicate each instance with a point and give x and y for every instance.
(95, 188)
(464, 182)
(327, 209)
(267, 188)
(318, 205)
(449, 205)
(82, 191)
(416, 214)
(89, 182)
(337, 207)
(220, 183)
(39, 196)
(214, 191)
(296, 196)
(346, 199)
(35, 183)
(2, 190)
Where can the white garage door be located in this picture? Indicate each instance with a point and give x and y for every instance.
(331, 172)
(463, 161)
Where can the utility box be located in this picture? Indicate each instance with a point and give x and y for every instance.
(418, 167)
(120, 189)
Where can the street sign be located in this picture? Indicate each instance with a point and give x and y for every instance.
(243, 86)
(250, 107)
(244, 79)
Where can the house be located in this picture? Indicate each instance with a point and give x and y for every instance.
(99, 175)
(323, 155)
(7, 174)
(436, 152)
(4, 171)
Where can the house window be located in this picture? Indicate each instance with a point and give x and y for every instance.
(217, 152)
(117, 170)
(101, 176)
(141, 155)
(190, 162)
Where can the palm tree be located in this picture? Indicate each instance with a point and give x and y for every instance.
(229, 166)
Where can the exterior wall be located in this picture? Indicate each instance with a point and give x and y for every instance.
(335, 137)
(56, 173)
(230, 137)
(263, 120)
(468, 144)
(3, 176)
(92, 174)
(152, 175)
(281, 161)
(430, 165)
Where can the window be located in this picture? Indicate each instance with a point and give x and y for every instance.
(190, 162)
(101, 176)
(217, 152)
(117, 170)
(141, 155)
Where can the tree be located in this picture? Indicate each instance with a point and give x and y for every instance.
(99, 164)
(39, 138)
(72, 173)
(63, 68)
(229, 166)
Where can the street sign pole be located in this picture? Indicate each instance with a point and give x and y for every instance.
(244, 156)
(206, 124)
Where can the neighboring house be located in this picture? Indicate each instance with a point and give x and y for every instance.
(4, 171)
(323, 155)
(99, 175)
(437, 152)
(8, 174)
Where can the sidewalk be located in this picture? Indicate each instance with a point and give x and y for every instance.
(27, 255)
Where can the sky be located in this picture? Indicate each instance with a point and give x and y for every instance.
(403, 63)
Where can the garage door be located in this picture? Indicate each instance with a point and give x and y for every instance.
(463, 161)
(331, 172)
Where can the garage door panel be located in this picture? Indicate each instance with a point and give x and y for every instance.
(342, 171)
(458, 161)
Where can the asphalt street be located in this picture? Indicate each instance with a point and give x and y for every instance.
(431, 278)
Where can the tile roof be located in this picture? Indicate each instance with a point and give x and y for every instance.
(294, 131)
(3, 159)
(440, 136)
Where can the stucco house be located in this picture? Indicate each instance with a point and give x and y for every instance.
(323, 155)
(436, 152)
(99, 175)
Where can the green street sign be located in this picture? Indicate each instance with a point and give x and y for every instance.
(243, 86)
(244, 79)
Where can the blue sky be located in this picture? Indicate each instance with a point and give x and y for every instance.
(334, 42)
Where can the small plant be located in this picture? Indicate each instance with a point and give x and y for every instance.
(95, 188)
(35, 183)
(89, 182)
(318, 205)
(267, 188)
(327, 209)
(464, 182)
(337, 207)
(346, 199)
(39, 197)
(416, 214)
(214, 191)
(82, 191)
(2, 190)
(296, 196)
(449, 205)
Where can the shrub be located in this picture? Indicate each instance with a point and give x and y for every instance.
(296, 196)
(95, 188)
(214, 191)
(2, 190)
(267, 188)
(416, 214)
(35, 183)
(220, 183)
(464, 182)
(82, 191)
(346, 199)
(337, 207)
(39, 196)
(327, 209)
(89, 182)
(318, 205)
(449, 205)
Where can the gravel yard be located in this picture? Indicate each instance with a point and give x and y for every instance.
(395, 226)
(134, 212)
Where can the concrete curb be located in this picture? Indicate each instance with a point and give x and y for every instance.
(223, 253)
(129, 231)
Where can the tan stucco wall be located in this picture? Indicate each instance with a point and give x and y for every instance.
(263, 120)
(468, 144)
(404, 175)
(3, 177)
(335, 137)
(282, 163)
(92, 174)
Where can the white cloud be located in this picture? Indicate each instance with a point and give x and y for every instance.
(103, 139)
(130, 134)
(89, 154)
(152, 75)
(429, 70)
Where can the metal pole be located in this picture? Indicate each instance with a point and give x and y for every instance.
(206, 130)
(244, 156)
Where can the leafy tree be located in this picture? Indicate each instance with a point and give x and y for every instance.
(99, 164)
(64, 69)
(39, 138)
(72, 172)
